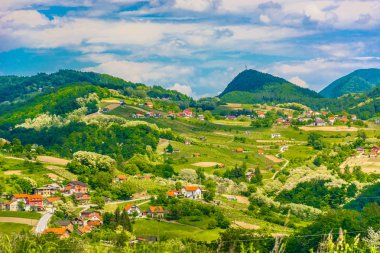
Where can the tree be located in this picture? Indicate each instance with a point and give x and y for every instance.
(315, 140)
(21, 205)
(318, 161)
(169, 149)
(99, 201)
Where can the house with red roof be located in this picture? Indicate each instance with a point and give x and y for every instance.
(83, 198)
(187, 113)
(76, 187)
(261, 115)
(84, 230)
(121, 178)
(156, 212)
(192, 192)
(61, 233)
(149, 104)
(373, 154)
(173, 194)
(132, 209)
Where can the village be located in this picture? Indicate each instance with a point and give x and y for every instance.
(45, 199)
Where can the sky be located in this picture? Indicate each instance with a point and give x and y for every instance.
(193, 46)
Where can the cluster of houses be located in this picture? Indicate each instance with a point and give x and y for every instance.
(85, 223)
(41, 198)
(189, 192)
(141, 115)
(373, 153)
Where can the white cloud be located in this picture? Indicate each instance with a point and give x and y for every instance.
(193, 5)
(264, 18)
(185, 89)
(298, 81)
(24, 18)
(144, 72)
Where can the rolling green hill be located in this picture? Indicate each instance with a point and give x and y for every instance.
(251, 86)
(361, 80)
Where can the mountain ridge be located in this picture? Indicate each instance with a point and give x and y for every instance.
(358, 81)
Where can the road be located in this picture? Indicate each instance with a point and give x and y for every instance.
(43, 222)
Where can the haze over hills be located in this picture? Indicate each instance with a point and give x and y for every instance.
(252, 86)
(361, 80)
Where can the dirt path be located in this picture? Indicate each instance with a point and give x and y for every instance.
(329, 128)
(31, 222)
(206, 164)
(245, 225)
(53, 160)
(12, 172)
(273, 158)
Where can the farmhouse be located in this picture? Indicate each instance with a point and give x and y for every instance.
(373, 154)
(192, 192)
(12, 205)
(261, 115)
(319, 122)
(47, 190)
(84, 230)
(276, 135)
(84, 198)
(132, 209)
(50, 201)
(76, 187)
(187, 113)
(156, 211)
(331, 120)
(376, 149)
(239, 150)
(260, 152)
(121, 178)
(65, 224)
(61, 233)
(173, 193)
(149, 104)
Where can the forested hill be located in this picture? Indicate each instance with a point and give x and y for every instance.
(15, 89)
(361, 80)
(251, 86)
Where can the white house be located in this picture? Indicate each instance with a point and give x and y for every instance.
(276, 135)
(131, 209)
(192, 192)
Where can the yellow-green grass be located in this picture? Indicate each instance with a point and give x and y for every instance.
(299, 152)
(232, 122)
(220, 153)
(145, 227)
(17, 167)
(20, 214)
(9, 228)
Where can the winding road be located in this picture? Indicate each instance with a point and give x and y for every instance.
(43, 222)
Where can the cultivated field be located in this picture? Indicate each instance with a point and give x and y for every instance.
(53, 160)
(329, 128)
(368, 165)
(206, 164)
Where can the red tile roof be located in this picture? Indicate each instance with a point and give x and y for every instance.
(85, 229)
(57, 231)
(191, 188)
(21, 196)
(156, 209)
(94, 223)
(51, 200)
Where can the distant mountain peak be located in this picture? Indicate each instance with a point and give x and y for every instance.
(360, 80)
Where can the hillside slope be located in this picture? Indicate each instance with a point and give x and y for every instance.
(361, 80)
(251, 86)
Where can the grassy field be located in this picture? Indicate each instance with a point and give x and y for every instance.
(9, 228)
(27, 215)
(168, 230)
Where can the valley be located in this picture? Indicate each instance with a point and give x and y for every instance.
(108, 164)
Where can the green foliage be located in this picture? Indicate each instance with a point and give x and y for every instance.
(361, 80)
(369, 195)
(314, 193)
(315, 140)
